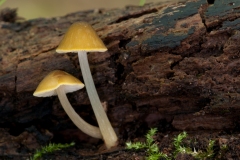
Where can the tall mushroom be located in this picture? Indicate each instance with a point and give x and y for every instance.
(82, 38)
(59, 83)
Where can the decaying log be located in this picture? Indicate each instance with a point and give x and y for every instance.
(171, 65)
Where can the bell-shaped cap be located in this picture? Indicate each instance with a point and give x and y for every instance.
(47, 87)
(81, 37)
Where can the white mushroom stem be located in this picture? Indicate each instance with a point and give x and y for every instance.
(109, 135)
(77, 120)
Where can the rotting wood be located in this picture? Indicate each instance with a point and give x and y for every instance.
(177, 63)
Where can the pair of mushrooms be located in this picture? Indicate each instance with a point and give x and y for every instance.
(80, 38)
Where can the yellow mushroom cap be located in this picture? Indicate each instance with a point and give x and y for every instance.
(81, 37)
(47, 87)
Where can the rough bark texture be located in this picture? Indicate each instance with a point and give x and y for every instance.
(174, 66)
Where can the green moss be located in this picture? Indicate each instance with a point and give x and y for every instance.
(52, 147)
(153, 152)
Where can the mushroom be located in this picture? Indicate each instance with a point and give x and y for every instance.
(59, 83)
(82, 38)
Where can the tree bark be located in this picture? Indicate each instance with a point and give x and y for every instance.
(172, 65)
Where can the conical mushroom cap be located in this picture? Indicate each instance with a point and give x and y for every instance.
(81, 37)
(47, 87)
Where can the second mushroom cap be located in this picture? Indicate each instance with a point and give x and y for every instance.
(55, 79)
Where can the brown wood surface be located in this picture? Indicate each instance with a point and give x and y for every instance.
(175, 65)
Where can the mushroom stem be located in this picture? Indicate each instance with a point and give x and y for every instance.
(77, 120)
(109, 135)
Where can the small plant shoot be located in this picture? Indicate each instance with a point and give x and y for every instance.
(52, 147)
(151, 147)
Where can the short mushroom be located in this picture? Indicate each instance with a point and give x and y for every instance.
(59, 83)
(82, 38)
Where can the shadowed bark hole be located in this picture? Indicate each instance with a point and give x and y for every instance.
(170, 75)
(210, 1)
(119, 72)
(123, 43)
(124, 18)
(204, 102)
(17, 129)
